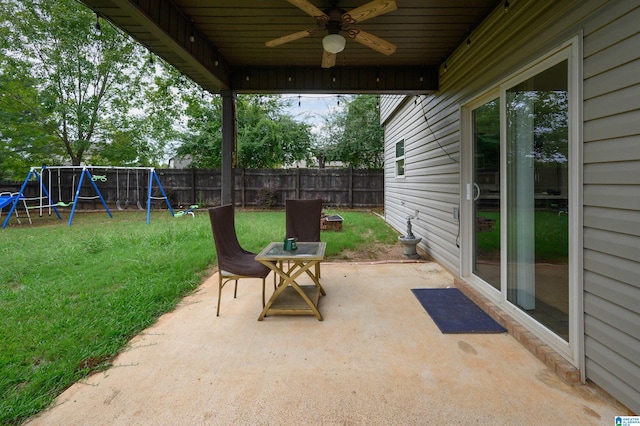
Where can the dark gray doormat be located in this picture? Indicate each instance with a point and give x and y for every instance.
(455, 313)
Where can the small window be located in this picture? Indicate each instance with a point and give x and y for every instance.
(400, 158)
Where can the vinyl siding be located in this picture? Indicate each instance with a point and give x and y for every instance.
(611, 161)
(430, 187)
(388, 105)
(612, 200)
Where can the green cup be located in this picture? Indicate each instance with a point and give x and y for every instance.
(290, 244)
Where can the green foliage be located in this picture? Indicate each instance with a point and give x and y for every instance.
(26, 130)
(203, 145)
(353, 135)
(80, 88)
(72, 297)
(486, 120)
(267, 136)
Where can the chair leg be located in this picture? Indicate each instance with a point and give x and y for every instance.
(235, 289)
(264, 281)
(219, 291)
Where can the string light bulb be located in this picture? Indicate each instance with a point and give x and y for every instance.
(506, 6)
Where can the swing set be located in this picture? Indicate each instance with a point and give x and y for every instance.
(46, 176)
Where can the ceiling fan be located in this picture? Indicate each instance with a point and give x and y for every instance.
(336, 21)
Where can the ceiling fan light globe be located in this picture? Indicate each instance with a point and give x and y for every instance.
(334, 43)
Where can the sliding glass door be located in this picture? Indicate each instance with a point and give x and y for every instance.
(537, 141)
(518, 193)
(486, 192)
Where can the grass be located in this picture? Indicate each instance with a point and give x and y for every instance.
(72, 297)
(551, 236)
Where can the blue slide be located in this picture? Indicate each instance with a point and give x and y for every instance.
(5, 200)
(9, 199)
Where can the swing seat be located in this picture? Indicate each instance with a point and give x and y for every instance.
(188, 211)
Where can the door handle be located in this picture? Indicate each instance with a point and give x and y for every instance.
(475, 186)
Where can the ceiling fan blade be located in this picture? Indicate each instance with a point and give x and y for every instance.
(328, 59)
(310, 9)
(371, 41)
(368, 11)
(289, 37)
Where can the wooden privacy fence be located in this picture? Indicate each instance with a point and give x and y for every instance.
(184, 187)
(337, 187)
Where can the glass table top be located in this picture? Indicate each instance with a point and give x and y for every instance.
(275, 250)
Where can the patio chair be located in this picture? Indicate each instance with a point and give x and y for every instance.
(234, 262)
(303, 221)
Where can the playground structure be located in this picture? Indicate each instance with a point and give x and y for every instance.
(51, 184)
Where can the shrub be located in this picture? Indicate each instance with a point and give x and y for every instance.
(267, 197)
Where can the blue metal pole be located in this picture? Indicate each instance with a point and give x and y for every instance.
(15, 203)
(151, 171)
(163, 193)
(75, 199)
(99, 194)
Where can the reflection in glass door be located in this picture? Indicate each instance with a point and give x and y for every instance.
(486, 192)
(537, 141)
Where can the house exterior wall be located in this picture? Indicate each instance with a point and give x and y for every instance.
(612, 200)
(430, 190)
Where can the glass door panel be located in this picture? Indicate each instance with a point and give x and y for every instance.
(537, 197)
(486, 192)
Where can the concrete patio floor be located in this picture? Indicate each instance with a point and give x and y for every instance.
(377, 358)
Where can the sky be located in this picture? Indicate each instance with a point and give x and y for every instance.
(312, 108)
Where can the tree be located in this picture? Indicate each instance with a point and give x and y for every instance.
(267, 136)
(203, 142)
(22, 119)
(86, 80)
(361, 142)
(325, 141)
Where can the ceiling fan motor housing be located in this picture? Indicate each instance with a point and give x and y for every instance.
(334, 24)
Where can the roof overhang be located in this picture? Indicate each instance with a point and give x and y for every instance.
(221, 44)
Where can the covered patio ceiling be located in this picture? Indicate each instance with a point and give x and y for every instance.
(220, 44)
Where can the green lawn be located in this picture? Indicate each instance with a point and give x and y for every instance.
(72, 297)
(551, 236)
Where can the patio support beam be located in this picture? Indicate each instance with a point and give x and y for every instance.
(229, 153)
(405, 80)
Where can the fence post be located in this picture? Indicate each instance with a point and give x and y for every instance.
(242, 187)
(193, 186)
(351, 188)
